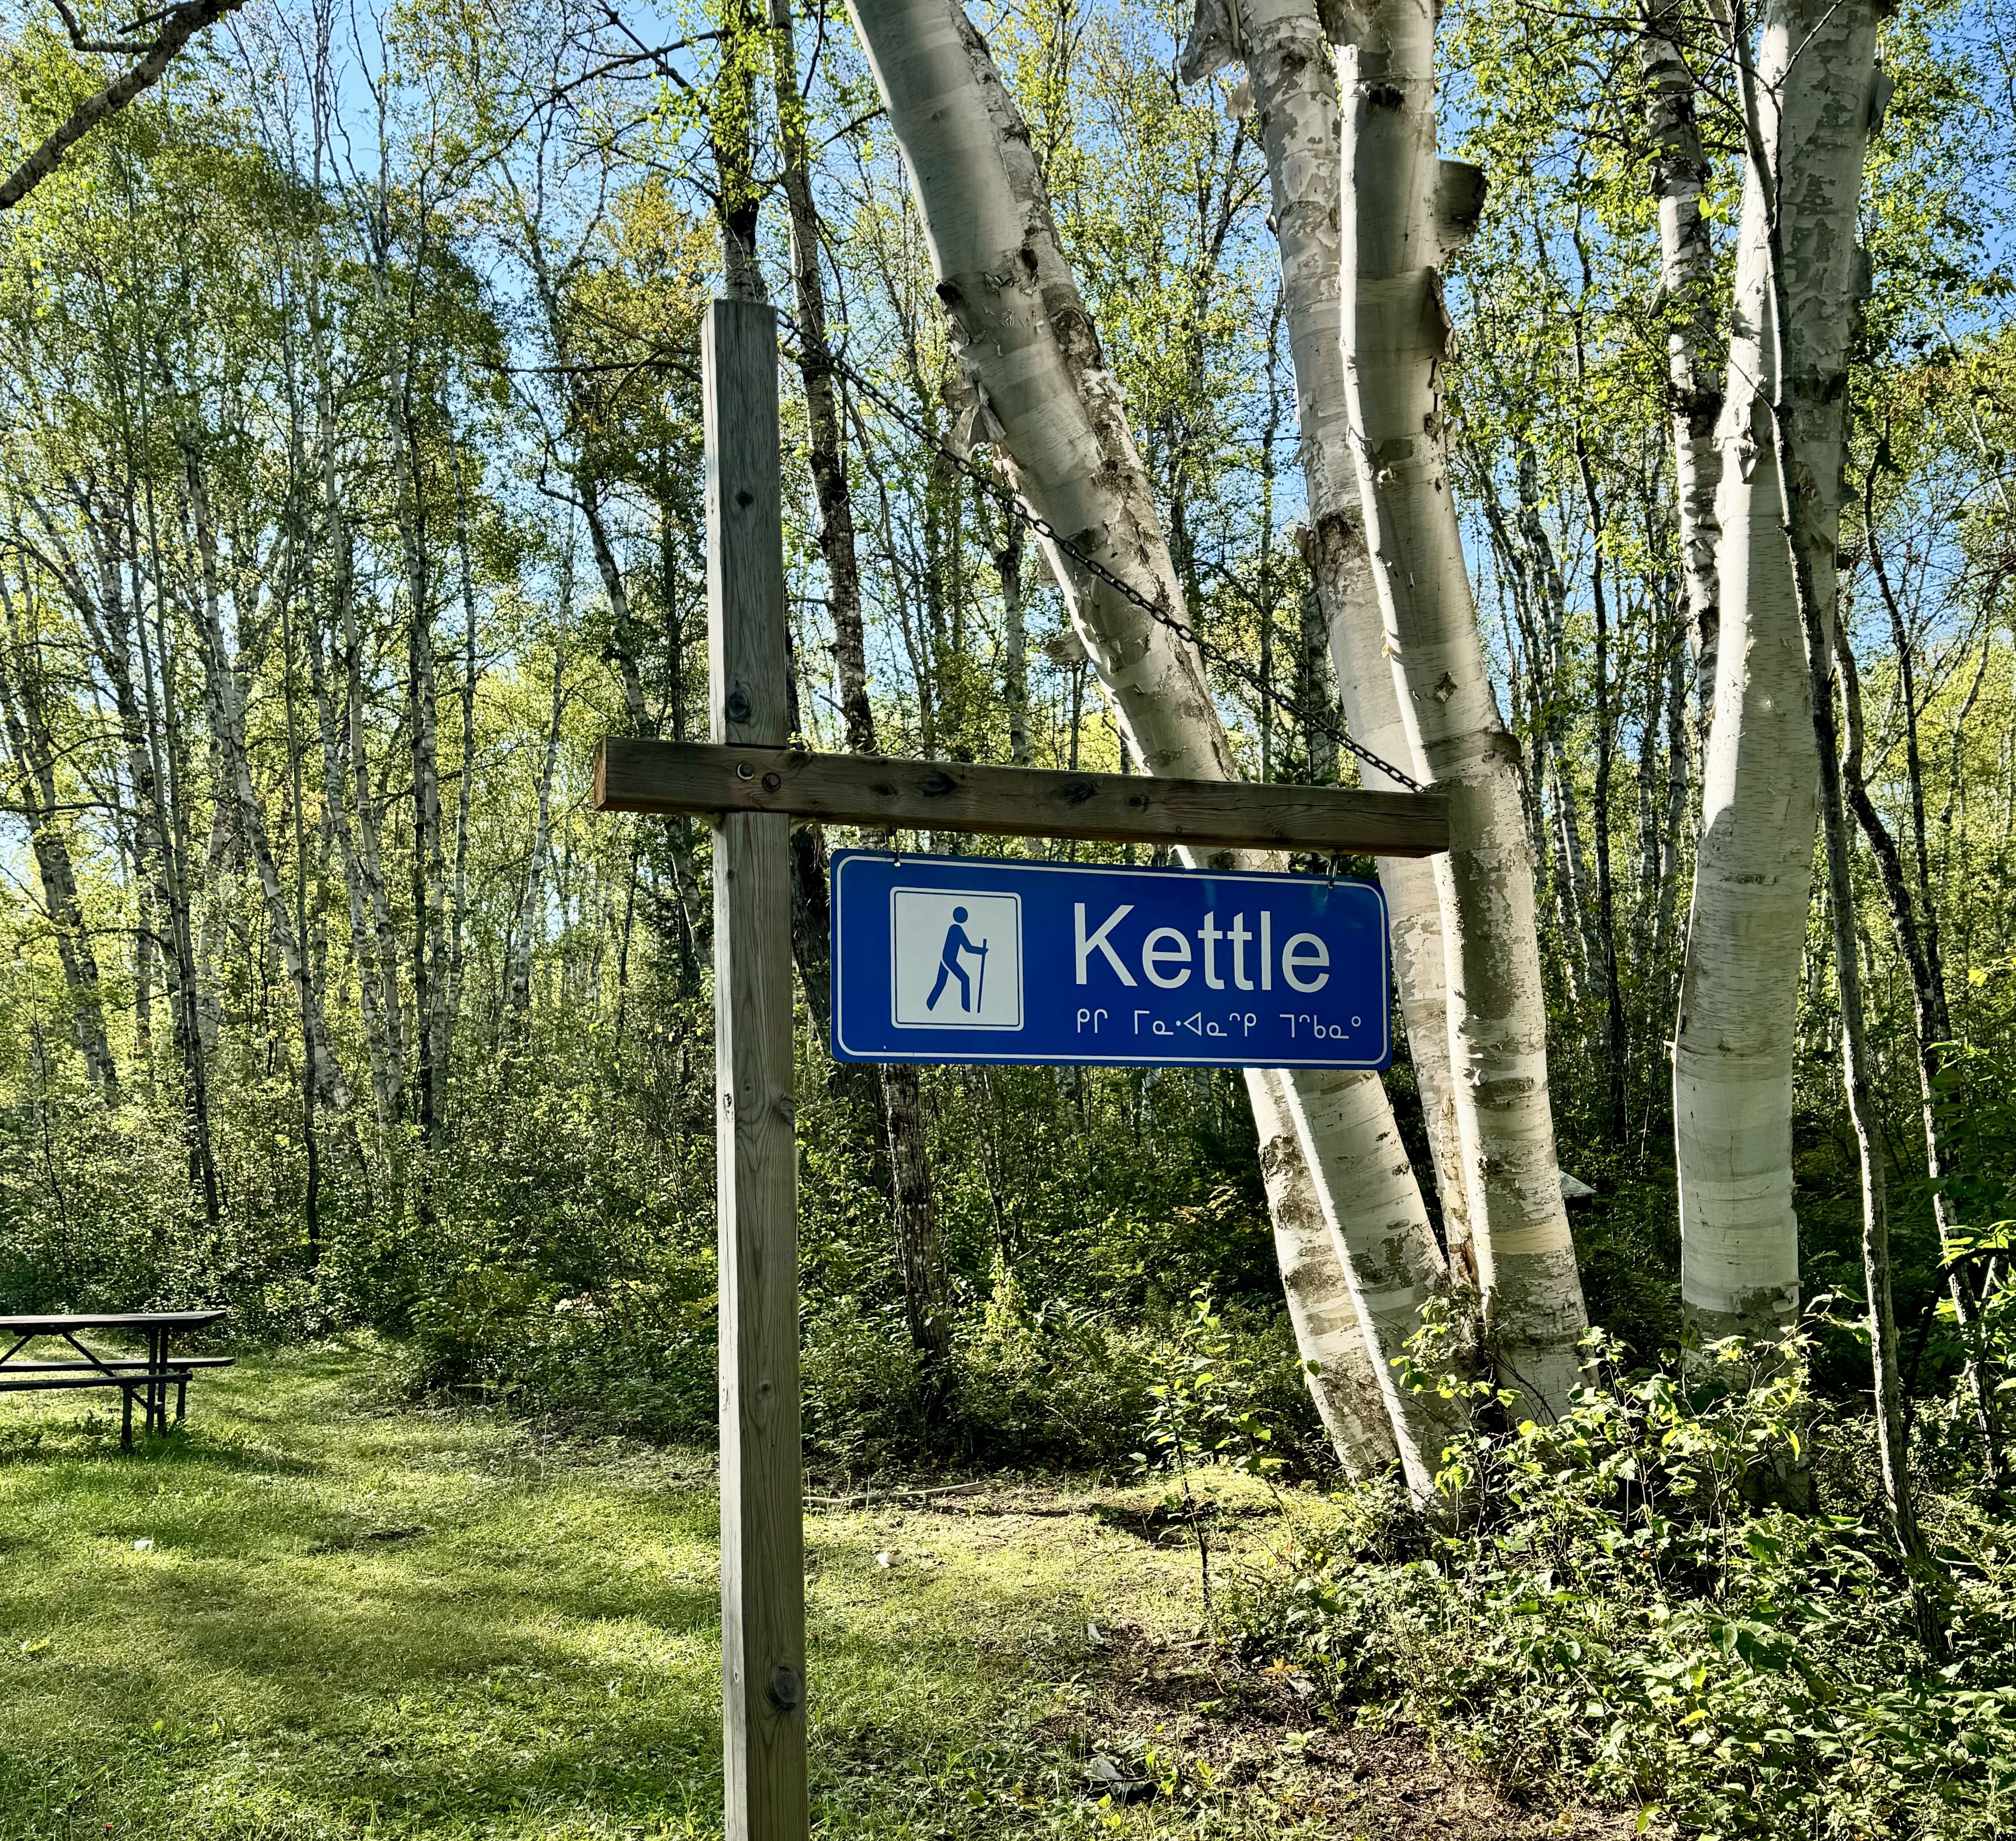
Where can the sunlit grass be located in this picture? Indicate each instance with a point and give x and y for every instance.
(357, 1620)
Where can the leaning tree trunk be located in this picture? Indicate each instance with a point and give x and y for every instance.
(1030, 352)
(1322, 1304)
(1732, 1046)
(1402, 212)
(1295, 92)
(1687, 281)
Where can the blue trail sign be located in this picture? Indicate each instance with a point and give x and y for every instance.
(972, 959)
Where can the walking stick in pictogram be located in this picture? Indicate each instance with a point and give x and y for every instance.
(979, 999)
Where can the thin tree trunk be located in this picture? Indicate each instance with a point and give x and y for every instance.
(518, 979)
(927, 1286)
(409, 511)
(1577, 908)
(1686, 285)
(310, 990)
(169, 769)
(464, 779)
(1614, 1031)
(33, 749)
(363, 940)
(1645, 896)
(1915, 947)
(1008, 566)
(114, 628)
(1315, 687)
(1402, 212)
(227, 716)
(1028, 343)
(423, 750)
(1270, 433)
(1678, 775)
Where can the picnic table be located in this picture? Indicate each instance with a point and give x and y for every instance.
(147, 1379)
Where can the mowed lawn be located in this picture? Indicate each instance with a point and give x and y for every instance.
(321, 1613)
(318, 1612)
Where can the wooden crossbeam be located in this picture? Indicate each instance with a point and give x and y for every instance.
(633, 775)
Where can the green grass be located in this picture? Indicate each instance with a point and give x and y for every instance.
(357, 1619)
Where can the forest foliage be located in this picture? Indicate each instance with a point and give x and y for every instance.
(352, 493)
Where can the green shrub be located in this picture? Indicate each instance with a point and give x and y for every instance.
(634, 1357)
(1057, 1387)
(1606, 1608)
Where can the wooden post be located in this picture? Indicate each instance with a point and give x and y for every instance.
(762, 1542)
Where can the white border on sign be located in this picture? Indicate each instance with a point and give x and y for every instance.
(955, 894)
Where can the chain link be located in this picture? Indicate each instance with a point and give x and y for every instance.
(1012, 502)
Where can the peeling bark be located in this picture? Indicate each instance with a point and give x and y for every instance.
(1321, 1303)
(1403, 212)
(1734, 1043)
(1288, 66)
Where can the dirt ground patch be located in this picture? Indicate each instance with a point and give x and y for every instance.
(1164, 1706)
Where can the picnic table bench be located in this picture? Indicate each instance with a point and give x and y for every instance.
(146, 1378)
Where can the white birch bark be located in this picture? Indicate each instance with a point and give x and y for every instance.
(1734, 1045)
(1687, 262)
(518, 978)
(1029, 348)
(1322, 1304)
(1287, 62)
(1402, 210)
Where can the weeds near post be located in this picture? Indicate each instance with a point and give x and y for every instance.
(1203, 1416)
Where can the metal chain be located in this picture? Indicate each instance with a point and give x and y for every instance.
(1012, 501)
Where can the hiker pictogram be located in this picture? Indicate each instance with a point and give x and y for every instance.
(956, 943)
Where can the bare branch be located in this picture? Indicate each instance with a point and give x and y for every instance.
(181, 24)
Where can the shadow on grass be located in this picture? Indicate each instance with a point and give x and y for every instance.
(179, 1448)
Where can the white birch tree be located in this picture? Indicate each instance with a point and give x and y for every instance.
(1733, 1041)
(1403, 211)
(1293, 90)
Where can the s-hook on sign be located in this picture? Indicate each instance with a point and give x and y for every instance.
(976, 959)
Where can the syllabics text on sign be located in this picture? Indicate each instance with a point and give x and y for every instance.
(969, 959)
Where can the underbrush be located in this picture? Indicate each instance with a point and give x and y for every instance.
(1054, 1388)
(1623, 1604)
(632, 1357)
(1059, 1387)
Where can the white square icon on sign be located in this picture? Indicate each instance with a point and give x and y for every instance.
(956, 960)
